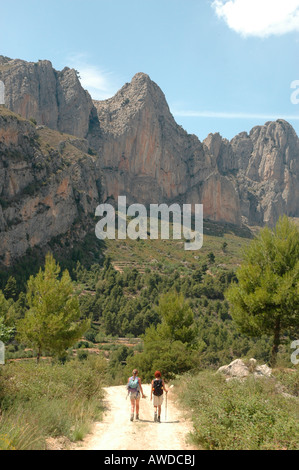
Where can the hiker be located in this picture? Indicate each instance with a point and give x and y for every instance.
(134, 390)
(157, 389)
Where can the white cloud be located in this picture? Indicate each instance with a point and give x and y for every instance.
(100, 84)
(261, 18)
(224, 115)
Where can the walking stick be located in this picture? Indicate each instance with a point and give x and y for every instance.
(171, 386)
(166, 407)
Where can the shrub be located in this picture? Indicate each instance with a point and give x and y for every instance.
(247, 415)
(82, 355)
(91, 336)
(49, 400)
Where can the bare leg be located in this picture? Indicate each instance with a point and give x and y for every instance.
(137, 407)
(159, 412)
(132, 409)
(155, 417)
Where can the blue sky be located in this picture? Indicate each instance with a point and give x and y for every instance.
(224, 65)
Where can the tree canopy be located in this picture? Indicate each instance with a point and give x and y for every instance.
(171, 345)
(265, 300)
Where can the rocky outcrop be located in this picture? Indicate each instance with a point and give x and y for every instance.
(239, 370)
(47, 184)
(273, 169)
(52, 98)
(265, 167)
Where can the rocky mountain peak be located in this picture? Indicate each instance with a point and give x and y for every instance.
(149, 158)
(55, 99)
(141, 78)
(117, 112)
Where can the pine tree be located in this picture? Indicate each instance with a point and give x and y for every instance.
(266, 298)
(52, 322)
(10, 289)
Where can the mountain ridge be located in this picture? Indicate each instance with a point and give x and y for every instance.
(139, 150)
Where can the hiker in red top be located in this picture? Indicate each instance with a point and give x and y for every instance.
(157, 389)
(134, 390)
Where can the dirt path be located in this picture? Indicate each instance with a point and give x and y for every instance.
(116, 432)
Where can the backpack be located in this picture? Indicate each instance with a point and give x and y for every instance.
(158, 387)
(133, 383)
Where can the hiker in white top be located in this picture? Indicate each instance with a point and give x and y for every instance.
(157, 389)
(134, 390)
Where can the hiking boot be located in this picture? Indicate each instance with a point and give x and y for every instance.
(132, 417)
(159, 419)
(137, 417)
(155, 417)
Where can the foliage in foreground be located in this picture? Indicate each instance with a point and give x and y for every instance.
(248, 415)
(42, 401)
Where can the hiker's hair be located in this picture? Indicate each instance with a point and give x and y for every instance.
(157, 374)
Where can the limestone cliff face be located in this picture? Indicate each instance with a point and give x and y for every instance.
(149, 158)
(46, 185)
(265, 167)
(52, 98)
(144, 154)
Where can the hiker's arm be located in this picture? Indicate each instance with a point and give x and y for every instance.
(164, 387)
(139, 381)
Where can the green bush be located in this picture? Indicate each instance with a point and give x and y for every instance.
(82, 355)
(91, 336)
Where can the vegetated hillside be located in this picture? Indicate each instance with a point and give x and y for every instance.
(122, 282)
(223, 240)
(123, 295)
